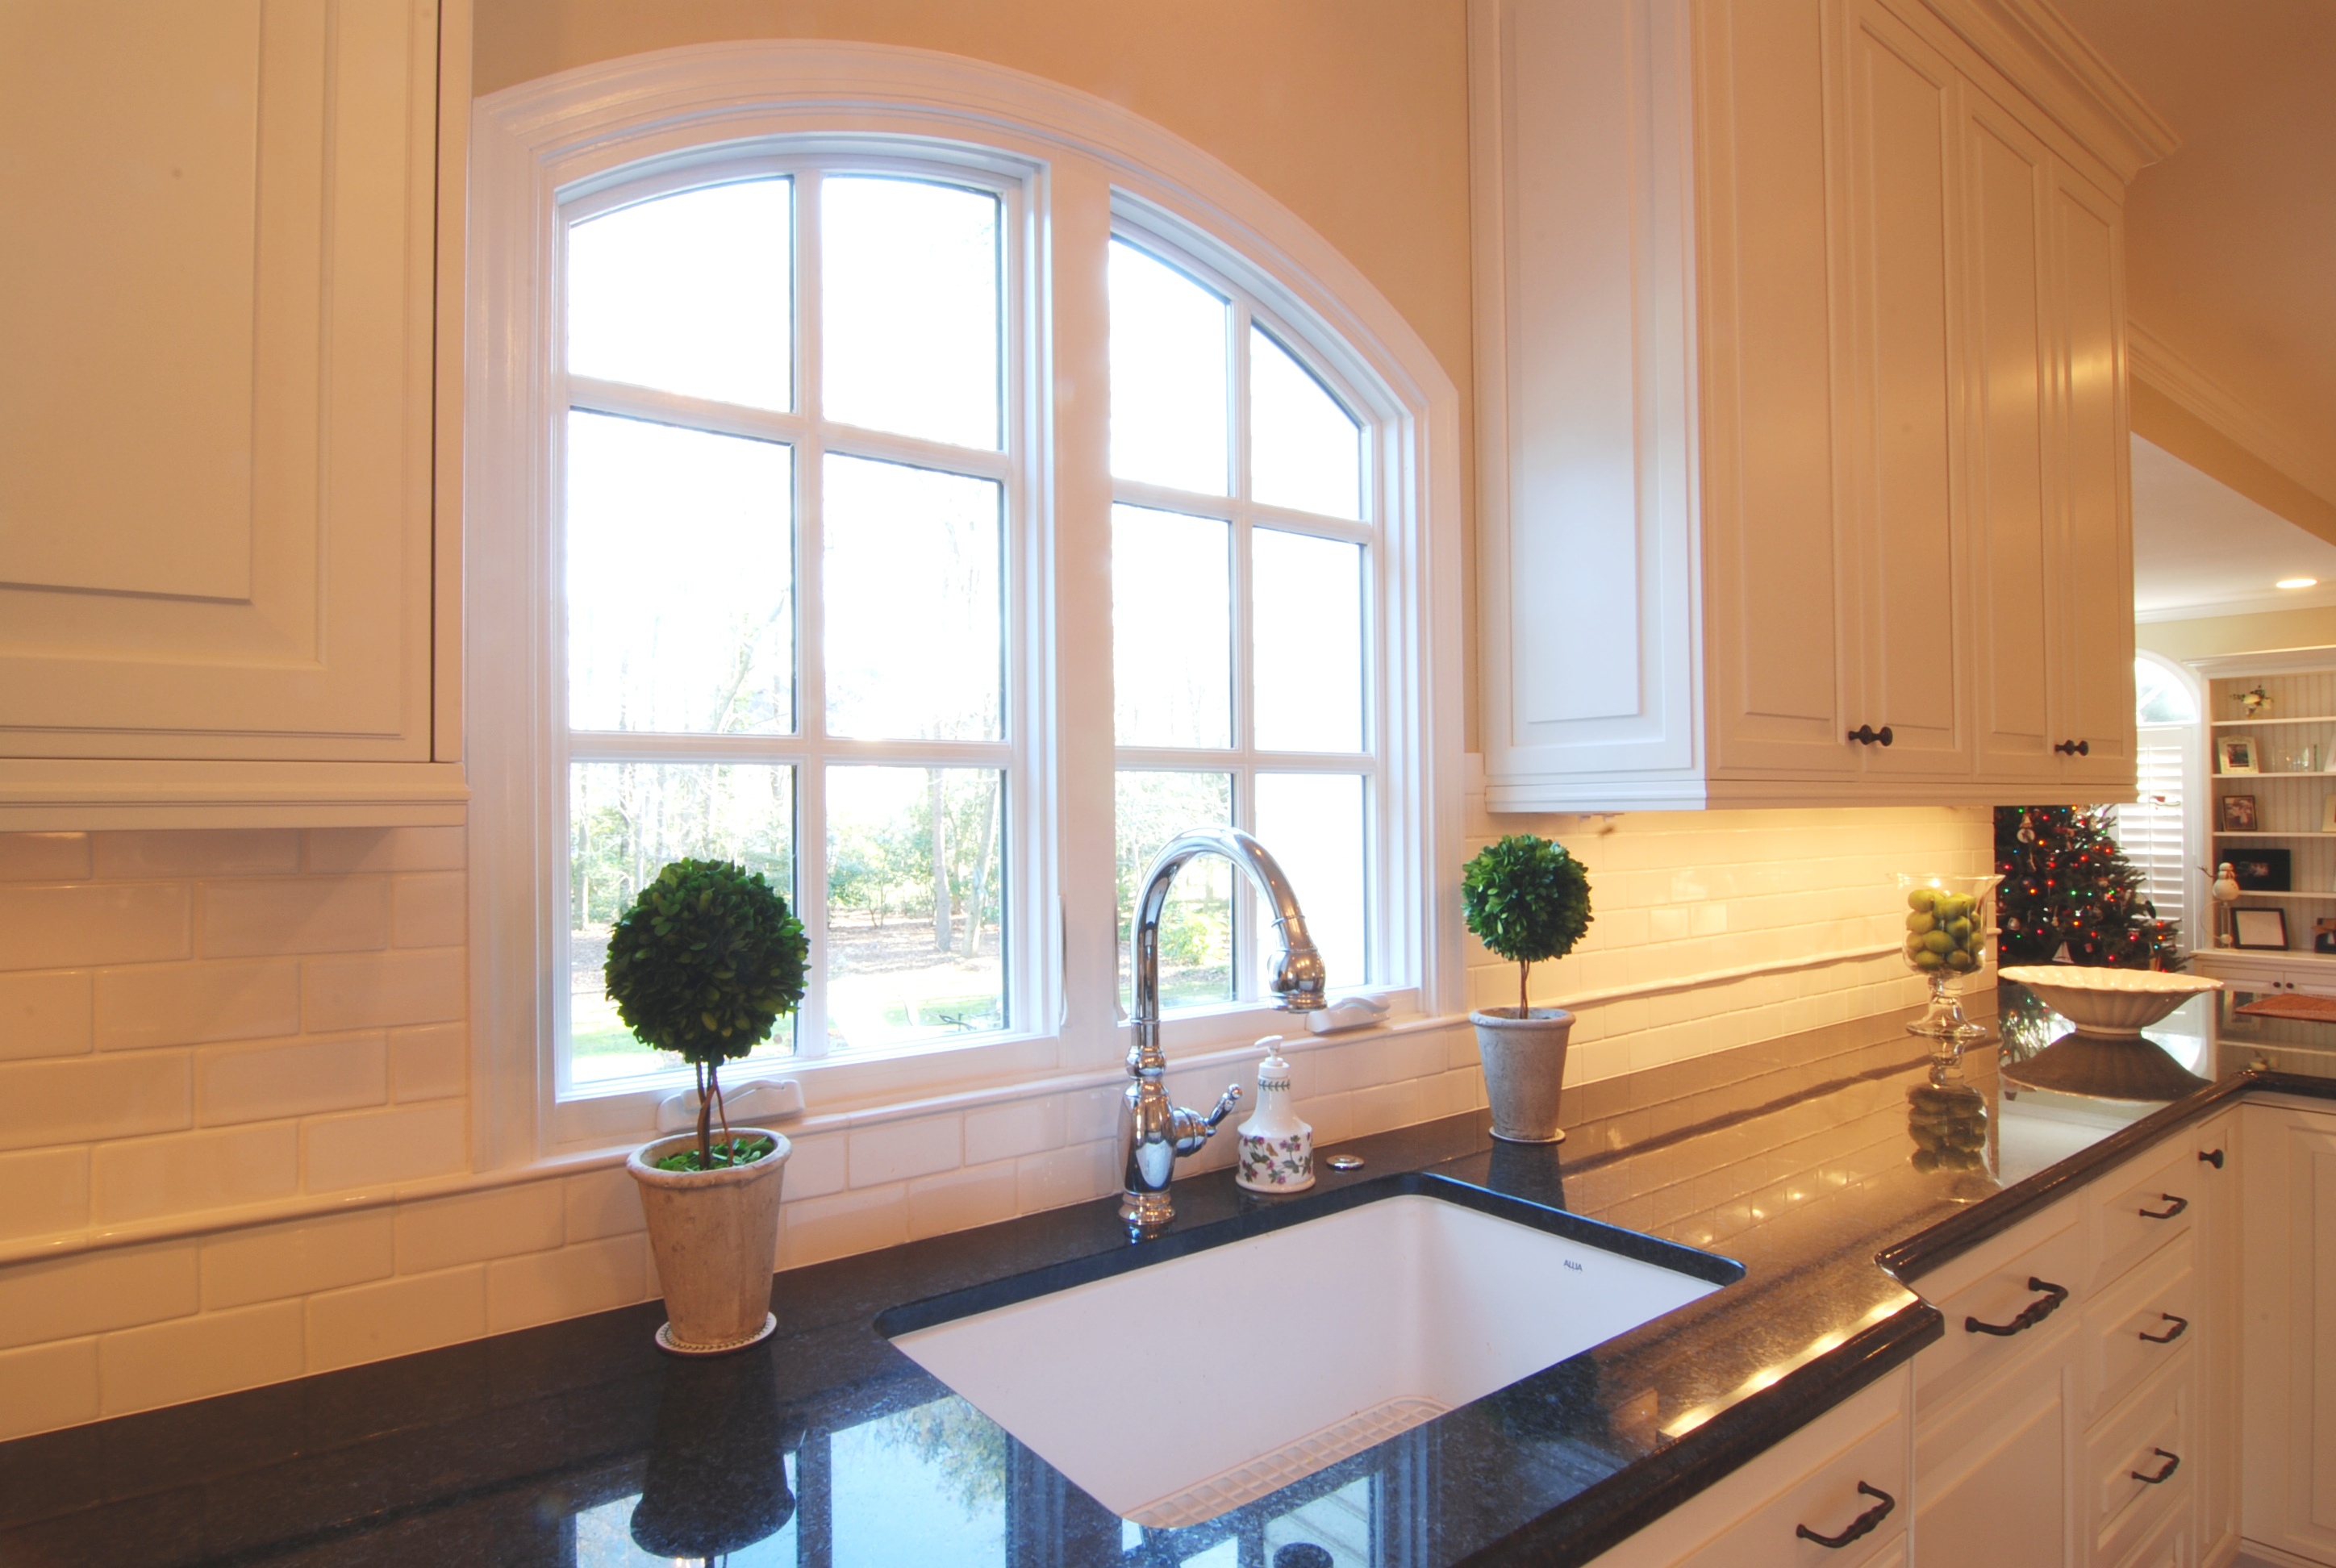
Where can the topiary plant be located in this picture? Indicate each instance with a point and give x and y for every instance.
(1527, 901)
(703, 964)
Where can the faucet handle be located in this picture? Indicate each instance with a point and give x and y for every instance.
(1224, 1106)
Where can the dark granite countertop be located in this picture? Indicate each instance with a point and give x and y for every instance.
(580, 1444)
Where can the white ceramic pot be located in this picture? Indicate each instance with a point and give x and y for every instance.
(716, 1235)
(1524, 1070)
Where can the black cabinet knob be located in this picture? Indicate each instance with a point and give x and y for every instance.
(1867, 735)
(2211, 1156)
(2074, 747)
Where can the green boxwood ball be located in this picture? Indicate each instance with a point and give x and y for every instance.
(703, 963)
(1526, 899)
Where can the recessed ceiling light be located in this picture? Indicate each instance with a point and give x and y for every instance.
(2298, 582)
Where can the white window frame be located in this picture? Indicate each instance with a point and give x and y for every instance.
(1083, 168)
(811, 435)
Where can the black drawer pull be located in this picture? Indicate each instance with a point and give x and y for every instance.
(2181, 1326)
(2211, 1156)
(2030, 1315)
(2074, 747)
(1867, 735)
(2179, 1204)
(2172, 1465)
(1861, 1526)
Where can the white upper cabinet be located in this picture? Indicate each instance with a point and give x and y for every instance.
(216, 410)
(1801, 403)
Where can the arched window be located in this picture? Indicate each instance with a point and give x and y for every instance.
(932, 488)
(2156, 830)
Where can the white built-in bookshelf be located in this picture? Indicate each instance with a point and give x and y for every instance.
(2294, 746)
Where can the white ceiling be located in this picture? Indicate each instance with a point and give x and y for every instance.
(2201, 548)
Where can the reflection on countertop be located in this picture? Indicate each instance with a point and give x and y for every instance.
(577, 1443)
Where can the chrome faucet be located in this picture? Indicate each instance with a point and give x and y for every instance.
(1154, 1131)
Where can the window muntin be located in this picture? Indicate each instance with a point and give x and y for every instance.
(788, 559)
(1241, 622)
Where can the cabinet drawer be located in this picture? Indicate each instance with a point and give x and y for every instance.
(1828, 1501)
(2144, 1205)
(1992, 1288)
(2138, 1325)
(2170, 1545)
(2139, 1463)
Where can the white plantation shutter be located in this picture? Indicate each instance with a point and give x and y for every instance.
(2150, 830)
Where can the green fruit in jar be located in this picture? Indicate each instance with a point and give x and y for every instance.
(1961, 961)
(1919, 923)
(1921, 899)
(1960, 929)
(1938, 941)
(1927, 959)
(1953, 906)
(1924, 1160)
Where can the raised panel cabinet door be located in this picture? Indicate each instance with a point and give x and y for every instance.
(1780, 589)
(2007, 175)
(2093, 568)
(2288, 1350)
(2216, 1147)
(215, 456)
(1994, 1485)
(1897, 366)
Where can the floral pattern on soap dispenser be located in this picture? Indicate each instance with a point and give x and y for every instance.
(1277, 1149)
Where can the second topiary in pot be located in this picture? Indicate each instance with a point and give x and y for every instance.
(1528, 902)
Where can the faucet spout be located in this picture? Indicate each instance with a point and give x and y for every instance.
(1154, 1132)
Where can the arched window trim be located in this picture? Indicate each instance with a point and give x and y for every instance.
(601, 133)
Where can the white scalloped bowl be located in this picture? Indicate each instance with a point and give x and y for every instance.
(2110, 1003)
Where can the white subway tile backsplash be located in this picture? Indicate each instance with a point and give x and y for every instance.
(77, 923)
(427, 911)
(63, 1298)
(441, 1232)
(897, 1151)
(198, 852)
(138, 1178)
(44, 857)
(191, 1358)
(815, 1166)
(815, 1230)
(79, 1099)
(342, 850)
(291, 1079)
(1067, 1175)
(397, 1317)
(607, 1203)
(44, 1387)
(963, 1199)
(45, 1014)
(430, 1062)
(274, 1262)
(367, 1148)
(196, 1004)
(44, 1190)
(1015, 1128)
(370, 991)
(589, 1277)
(294, 915)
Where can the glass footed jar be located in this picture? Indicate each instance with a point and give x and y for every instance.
(1950, 925)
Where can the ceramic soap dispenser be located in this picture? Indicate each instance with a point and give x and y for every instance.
(1277, 1149)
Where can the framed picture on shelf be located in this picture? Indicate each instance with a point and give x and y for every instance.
(2235, 754)
(2265, 929)
(2328, 813)
(2323, 935)
(2239, 813)
(2262, 870)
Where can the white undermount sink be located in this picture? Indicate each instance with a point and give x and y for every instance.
(1173, 1390)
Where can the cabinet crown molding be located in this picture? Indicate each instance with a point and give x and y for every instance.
(2050, 60)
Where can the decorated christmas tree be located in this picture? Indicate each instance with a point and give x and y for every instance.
(2068, 886)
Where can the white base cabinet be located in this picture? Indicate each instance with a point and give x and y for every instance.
(2288, 1388)
(1847, 1469)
